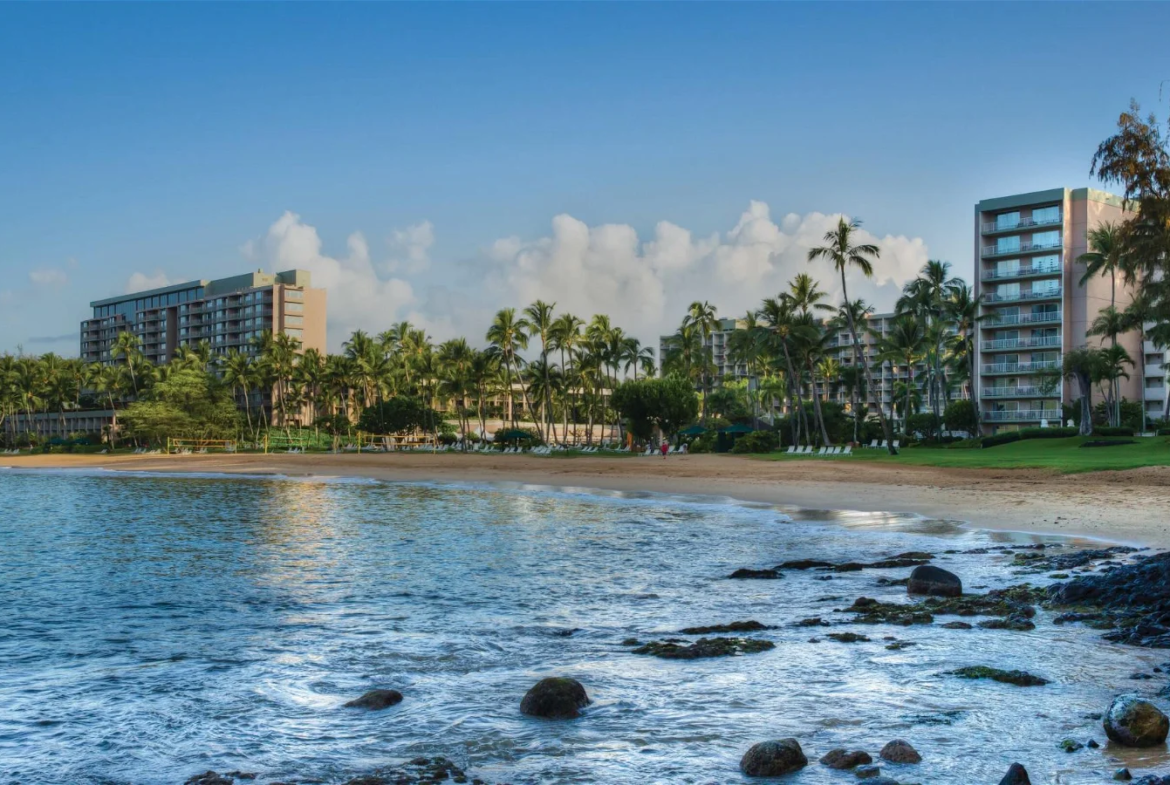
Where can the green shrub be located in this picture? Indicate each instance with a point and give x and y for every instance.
(1108, 442)
(995, 440)
(1047, 433)
(1102, 430)
(966, 444)
(1163, 432)
(960, 416)
(925, 424)
(756, 442)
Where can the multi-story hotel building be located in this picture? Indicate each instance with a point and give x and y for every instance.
(228, 313)
(1035, 308)
(717, 344)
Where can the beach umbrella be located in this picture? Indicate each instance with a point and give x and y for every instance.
(738, 428)
(694, 430)
(511, 435)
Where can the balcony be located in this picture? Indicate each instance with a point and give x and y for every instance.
(1022, 415)
(994, 250)
(1022, 343)
(1018, 368)
(1047, 317)
(1029, 271)
(1019, 297)
(994, 227)
(1155, 393)
(1017, 392)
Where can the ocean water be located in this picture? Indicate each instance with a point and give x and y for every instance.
(154, 627)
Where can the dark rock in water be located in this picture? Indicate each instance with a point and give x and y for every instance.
(883, 781)
(898, 645)
(1153, 779)
(744, 573)
(1122, 775)
(893, 581)
(1069, 561)
(208, 778)
(815, 621)
(850, 566)
(844, 759)
(1134, 722)
(848, 637)
(241, 775)
(1016, 775)
(420, 771)
(867, 772)
(914, 555)
(1071, 745)
(1133, 597)
(704, 647)
(870, 611)
(900, 751)
(376, 700)
(566, 633)
(555, 698)
(1017, 621)
(1018, 678)
(804, 564)
(773, 758)
(934, 581)
(956, 625)
(886, 564)
(631, 642)
(735, 626)
(1141, 676)
(1092, 744)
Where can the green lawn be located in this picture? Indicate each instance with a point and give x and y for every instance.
(1062, 455)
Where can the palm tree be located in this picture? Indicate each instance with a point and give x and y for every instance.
(128, 345)
(843, 254)
(540, 318)
(564, 337)
(963, 310)
(508, 335)
(455, 379)
(239, 373)
(1110, 323)
(634, 356)
(110, 381)
(904, 344)
(1140, 312)
(778, 317)
(1106, 258)
(702, 315)
(1083, 365)
(853, 380)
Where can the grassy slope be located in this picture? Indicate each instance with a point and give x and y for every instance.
(1062, 455)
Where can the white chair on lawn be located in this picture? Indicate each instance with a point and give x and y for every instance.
(848, 450)
(791, 449)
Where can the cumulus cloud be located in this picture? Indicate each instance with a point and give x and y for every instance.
(644, 284)
(48, 276)
(358, 297)
(140, 282)
(411, 248)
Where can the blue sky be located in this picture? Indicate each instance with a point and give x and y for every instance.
(435, 161)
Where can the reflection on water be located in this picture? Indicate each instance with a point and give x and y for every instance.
(153, 627)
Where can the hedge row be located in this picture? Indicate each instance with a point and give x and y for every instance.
(1027, 433)
(1104, 431)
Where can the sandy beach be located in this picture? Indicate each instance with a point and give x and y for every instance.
(1127, 507)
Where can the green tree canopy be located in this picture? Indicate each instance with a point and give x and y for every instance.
(668, 404)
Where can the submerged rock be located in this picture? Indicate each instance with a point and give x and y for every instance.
(1134, 722)
(743, 573)
(376, 700)
(1018, 678)
(1134, 598)
(844, 759)
(735, 626)
(900, 751)
(555, 698)
(804, 564)
(671, 649)
(870, 611)
(1071, 745)
(815, 621)
(1016, 621)
(208, 778)
(867, 772)
(420, 771)
(1016, 775)
(934, 581)
(773, 758)
(848, 637)
(956, 625)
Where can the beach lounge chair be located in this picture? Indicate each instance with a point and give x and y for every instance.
(835, 451)
(873, 445)
(791, 449)
(885, 443)
(822, 451)
(848, 450)
(897, 444)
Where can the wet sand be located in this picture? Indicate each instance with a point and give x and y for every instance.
(1128, 507)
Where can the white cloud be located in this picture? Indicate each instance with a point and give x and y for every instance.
(411, 248)
(140, 282)
(48, 276)
(645, 285)
(358, 298)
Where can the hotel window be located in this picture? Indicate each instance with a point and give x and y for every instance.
(294, 321)
(1007, 290)
(294, 308)
(1007, 267)
(294, 294)
(1007, 244)
(1046, 238)
(1044, 215)
(1007, 220)
(1047, 285)
(294, 333)
(1043, 263)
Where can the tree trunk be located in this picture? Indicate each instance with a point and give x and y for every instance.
(817, 405)
(860, 359)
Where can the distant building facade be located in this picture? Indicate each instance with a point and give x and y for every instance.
(1035, 308)
(228, 313)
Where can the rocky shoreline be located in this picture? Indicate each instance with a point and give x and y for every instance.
(1129, 600)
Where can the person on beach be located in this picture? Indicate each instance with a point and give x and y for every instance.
(665, 449)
